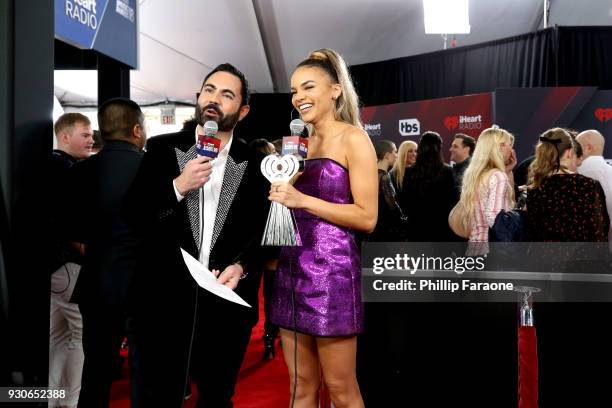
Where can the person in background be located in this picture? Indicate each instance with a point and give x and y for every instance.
(593, 164)
(555, 192)
(262, 146)
(487, 185)
(74, 142)
(278, 146)
(270, 330)
(100, 184)
(428, 193)
(461, 151)
(563, 206)
(406, 157)
(389, 225)
(486, 329)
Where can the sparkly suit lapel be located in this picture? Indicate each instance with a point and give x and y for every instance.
(193, 197)
(231, 181)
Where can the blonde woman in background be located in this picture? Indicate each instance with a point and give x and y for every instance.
(407, 154)
(486, 190)
(487, 186)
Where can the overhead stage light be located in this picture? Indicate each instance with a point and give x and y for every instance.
(446, 16)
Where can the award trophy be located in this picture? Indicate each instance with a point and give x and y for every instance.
(281, 229)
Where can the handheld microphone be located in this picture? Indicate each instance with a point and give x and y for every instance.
(208, 144)
(296, 144)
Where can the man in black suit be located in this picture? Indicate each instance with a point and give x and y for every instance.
(215, 210)
(99, 185)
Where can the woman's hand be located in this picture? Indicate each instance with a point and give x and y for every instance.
(286, 194)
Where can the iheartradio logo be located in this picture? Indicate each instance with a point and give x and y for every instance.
(603, 114)
(463, 122)
(451, 122)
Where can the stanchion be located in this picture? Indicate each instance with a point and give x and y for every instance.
(527, 350)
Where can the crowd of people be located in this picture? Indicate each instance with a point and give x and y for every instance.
(564, 183)
(118, 269)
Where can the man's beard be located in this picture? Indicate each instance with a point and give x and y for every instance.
(225, 122)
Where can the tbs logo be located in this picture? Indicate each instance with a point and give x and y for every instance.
(409, 127)
(603, 114)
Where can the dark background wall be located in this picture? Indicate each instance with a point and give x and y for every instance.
(557, 56)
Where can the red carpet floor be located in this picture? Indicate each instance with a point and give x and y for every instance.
(260, 383)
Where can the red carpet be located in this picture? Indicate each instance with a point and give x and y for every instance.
(260, 384)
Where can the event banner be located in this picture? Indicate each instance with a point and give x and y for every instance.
(527, 112)
(107, 26)
(468, 114)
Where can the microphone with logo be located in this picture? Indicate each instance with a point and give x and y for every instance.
(208, 144)
(296, 144)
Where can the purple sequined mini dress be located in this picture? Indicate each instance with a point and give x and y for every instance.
(323, 275)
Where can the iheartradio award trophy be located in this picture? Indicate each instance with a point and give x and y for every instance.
(281, 229)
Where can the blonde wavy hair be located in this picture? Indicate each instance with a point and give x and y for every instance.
(487, 158)
(399, 168)
(553, 144)
(347, 104)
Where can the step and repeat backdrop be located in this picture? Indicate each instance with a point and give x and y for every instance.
(525, 112)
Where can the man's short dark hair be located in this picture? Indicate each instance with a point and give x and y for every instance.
(261, 145)
(230, 69)
(468, 141)
(117, 117)
(68, 120)
(382, 148)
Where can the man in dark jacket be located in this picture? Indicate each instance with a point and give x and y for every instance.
(215, 211)
(100, 184)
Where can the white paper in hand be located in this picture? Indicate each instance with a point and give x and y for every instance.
(208, 281)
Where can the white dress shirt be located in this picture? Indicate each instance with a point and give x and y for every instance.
(209, 199)
(596, 168)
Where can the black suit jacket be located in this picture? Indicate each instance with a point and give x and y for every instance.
(101, 183)
(167, 225)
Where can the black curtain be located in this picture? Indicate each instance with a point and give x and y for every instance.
(268, 118)
(585, 56)
(557, 56)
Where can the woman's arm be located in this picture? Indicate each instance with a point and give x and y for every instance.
(362, 214)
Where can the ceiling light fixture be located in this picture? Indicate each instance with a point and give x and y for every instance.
(446, 17)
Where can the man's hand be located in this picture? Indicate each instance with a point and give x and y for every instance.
(195, 174)
(230, 276)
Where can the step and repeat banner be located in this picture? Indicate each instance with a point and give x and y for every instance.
(526, 112)
(468, 114)
(530, 111)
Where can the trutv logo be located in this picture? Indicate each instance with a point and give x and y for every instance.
(603, 114)
(463, 122)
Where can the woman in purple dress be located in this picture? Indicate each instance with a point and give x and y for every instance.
(317, 292)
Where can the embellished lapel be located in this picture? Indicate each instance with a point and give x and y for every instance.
(231, 181)
(193, 197)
